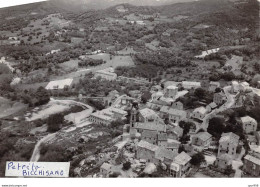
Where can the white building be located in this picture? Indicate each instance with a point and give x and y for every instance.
(244, 86)
(190, 85)
(213, 85)
(228, 144)
(147, 114)
(171, 91)
(59, 84)
(249, 124)
(199, 113)
(235, 87)
(106, 116)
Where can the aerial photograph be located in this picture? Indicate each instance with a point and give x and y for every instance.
(130, 89)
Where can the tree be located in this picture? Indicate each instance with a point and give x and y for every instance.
(146, 96)
(216, 126)
(200, 93)
(186, 126)
(117, 123)
(181, 149)
(197, 159)
(126, 166)
(42, 95)
(54, 122)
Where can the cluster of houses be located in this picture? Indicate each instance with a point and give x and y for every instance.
(159, 141)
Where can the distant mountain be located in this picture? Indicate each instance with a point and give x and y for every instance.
(103, 4)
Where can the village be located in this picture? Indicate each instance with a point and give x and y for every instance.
(162, 137)
(132, 92)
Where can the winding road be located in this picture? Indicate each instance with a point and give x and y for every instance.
(230, 102)
(36, 152)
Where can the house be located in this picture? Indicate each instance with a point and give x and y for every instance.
(146, 150)
(100, 118)
(174, 115)
(213, 86)
(190, 85)
(171, 91)
(177, 105)
(175, 132)
(219, 98)
(106, 116)
(170, 83)
(199, 113)
(173, 145)
(223, 161)
(162, 140)
(228, 143)
(235, 87)
(211, 107)
(107, 74)
(149, 136)
(249, 124)
(244, 86)
(150, 126)
(252, 165)
(251, 139)
(163, 155)
(59, 84)
(147, 114)
(181, 165)
(105, 169)
(202, 139)
(154, 153)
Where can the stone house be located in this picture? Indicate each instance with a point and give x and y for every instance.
(199, 113)
(249, 124)
(252, 165)
(202, 139)
(181, 164)
(223, 161)
(105, 169)
(228, 143)
(174, 115)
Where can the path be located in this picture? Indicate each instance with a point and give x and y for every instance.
(36, 152)
(230, 102)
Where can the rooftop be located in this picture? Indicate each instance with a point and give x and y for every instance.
(189, 83)
(252, 159)
(182, 158)
(152, 126)
(149, 134)
(173, 111)
(147, 145)
(201, 110)
(229, 137)
(162, 153)
(247, 119)
(204, 136)
(162, 137)
(58, 84)
(146, 112)
(101, 116)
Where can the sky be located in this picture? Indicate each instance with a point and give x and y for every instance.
(7, 3)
